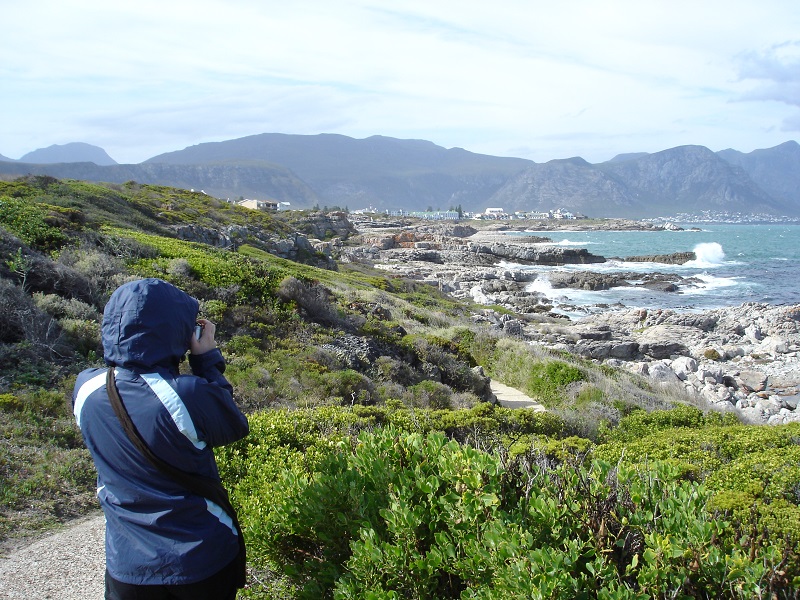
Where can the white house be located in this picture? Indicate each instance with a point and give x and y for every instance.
(259, 204)
(560, 213)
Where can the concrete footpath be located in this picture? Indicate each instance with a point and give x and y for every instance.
(513, 398)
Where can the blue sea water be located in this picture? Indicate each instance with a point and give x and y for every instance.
(735, 264)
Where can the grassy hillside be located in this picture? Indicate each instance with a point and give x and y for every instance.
(324, 361)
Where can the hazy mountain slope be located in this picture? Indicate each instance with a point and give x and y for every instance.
(691, 179)
(331, 155)
(5, 158)
(684, 179)
(572, 184)
(382, 171)
(69, 153)
(389, 173)
(776, 170)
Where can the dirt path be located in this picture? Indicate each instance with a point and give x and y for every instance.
(66, 565)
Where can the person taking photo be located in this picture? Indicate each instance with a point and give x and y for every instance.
(170, 530)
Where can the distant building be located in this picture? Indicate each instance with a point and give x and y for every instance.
(259, 204)
(562, 214)
(537, 216)
(438, 215)
(494, 212)
(370, 210)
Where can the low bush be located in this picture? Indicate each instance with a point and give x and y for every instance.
(753, 472)
(397, 514)
(29, 221)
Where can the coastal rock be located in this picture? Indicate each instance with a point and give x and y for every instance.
(547, 255)
(753, 332)
(664, 341)
(353, 351)
(683, 366)
(774, 345)
(752, 381)
(661, 373)
(591, 281)
(660, 286)
(295, 246)
(677, 258)
(585, 280)
(624, 350)
(325, 225)
(790, 402)
(482, 385)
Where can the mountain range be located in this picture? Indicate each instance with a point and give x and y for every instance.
(390, 173)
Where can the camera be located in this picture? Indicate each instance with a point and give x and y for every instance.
(198, 330)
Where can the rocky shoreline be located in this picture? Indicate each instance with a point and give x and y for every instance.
(745, 358)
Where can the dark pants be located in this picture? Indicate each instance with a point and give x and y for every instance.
(216, 587)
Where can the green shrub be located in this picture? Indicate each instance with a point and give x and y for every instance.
(430, 394)
(589, 394)
(70, 308)
(84, 335)
(406, 515)
(752, 472)
(640, 424)
(29, 222)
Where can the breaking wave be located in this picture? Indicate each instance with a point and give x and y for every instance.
(709, 254)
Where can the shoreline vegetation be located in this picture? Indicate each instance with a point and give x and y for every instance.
(378, 462)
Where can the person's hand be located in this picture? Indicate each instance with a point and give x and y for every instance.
(206, 341)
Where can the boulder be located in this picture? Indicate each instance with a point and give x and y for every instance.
(683, 366)
(624, 350)
(769, 406)
(716, 394)
(599, 350)
(677, 258)
(774, 345)
(709, 372)
(585, 280)
(751, 381)
(639, 368)
(482, 386)
(753, 332)
(790, 402)
(513, 327)
(661, 373)
(664, 341)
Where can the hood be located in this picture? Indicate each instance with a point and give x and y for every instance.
(148, 323)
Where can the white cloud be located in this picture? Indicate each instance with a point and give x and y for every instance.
(551, 79)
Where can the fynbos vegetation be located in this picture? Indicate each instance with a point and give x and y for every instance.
(376, 466)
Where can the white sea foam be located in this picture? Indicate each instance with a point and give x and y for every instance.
(541, 285)
(566, 242)
(710, 283)
(709, 255)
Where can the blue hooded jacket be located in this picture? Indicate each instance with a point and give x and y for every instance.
(156, 531)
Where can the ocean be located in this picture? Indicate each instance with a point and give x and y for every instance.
(735, 264)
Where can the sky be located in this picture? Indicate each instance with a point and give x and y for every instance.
(536, 79)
